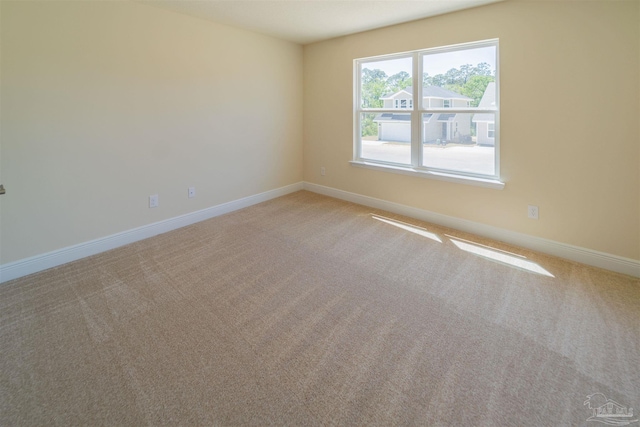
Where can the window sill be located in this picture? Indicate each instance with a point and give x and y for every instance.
(460, 179)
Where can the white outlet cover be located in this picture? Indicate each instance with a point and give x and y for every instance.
(153, 201)
(532, 212)
(192, 192)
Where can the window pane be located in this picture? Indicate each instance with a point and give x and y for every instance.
(383, 84)
(459, 142)
(386, 137)
(459, 79)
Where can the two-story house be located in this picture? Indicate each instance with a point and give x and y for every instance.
(486, 122)
(437, 128)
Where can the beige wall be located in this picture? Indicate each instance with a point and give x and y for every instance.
(105, 103)
(570, 120)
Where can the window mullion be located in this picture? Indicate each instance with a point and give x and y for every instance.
(357, 106)
(416, 131)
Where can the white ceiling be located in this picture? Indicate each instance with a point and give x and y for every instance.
(308, 21)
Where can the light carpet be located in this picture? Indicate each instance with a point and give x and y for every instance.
(307, 310)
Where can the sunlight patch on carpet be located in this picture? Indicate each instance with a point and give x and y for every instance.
(408, 227)
(512, 260)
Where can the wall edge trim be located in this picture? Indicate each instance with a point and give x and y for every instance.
(37, 263)
(582, 255)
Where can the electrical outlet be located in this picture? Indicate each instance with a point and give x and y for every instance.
(532, 212)
(192, 192)
(322, 171)
(153, 201)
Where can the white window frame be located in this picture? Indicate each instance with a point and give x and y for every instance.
(416, 168)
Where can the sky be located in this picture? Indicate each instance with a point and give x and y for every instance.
(438, 63)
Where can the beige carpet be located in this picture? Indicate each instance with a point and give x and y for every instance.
(307, 310)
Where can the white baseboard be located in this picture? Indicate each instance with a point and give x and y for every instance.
(20, 268)
(23, 267)
(562, 250)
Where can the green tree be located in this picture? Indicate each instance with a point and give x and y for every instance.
(369, 75)
(482, 69)
(369, 127)
(439, 80)
(466, 71)
(374, 86)
(453, 77)
(466, 80)
(475, 87)
(399, 81)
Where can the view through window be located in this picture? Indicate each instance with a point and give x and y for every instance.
(454, 128)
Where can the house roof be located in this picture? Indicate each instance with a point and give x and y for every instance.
(440, 92)
(430, 92)
(489, 96)
(391, 116)
(446, 117)
(393, 94)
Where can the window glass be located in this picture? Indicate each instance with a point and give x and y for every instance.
(455, 128)
(383, 83)
(386, 137)
(460, 75)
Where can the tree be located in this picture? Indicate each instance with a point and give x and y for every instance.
(399, 81)
(453, 77)
(466, 71)
(374, 86)
(439, 80)
(466, 80)
(372, 75)
(369, 127)
(475, 88)
(482, 69)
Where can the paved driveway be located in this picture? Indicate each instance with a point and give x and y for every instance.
(473, 159)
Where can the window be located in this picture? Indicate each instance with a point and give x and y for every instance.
(491, 130)
(403, 103)
(453, 129)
